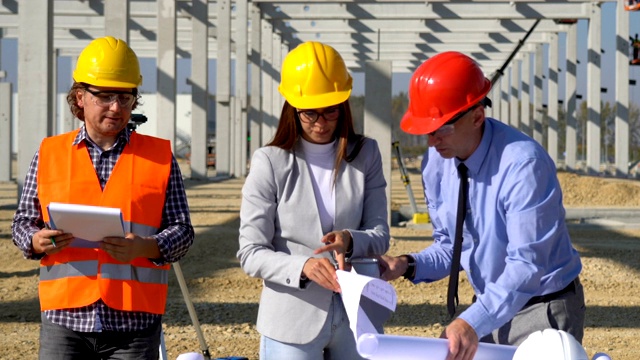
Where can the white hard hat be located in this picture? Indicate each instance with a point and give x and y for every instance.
(190, 356)
(601, 356)
(550, 344)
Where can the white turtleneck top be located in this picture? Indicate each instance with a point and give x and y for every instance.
(320, 159)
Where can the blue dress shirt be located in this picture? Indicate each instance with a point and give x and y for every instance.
(516, 244)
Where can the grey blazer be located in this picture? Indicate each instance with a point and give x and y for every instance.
(280, 228)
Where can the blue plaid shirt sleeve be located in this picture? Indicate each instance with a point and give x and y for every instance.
(28, 217)
(176, 235)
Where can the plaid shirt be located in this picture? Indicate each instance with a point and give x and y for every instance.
(174, 239)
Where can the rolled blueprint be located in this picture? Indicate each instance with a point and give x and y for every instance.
(395, 347)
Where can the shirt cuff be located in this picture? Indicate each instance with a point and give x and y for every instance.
(349, 253)
(478, 318)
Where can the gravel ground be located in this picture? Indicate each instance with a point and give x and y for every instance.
(226, 300)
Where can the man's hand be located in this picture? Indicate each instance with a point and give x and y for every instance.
(322, 272)
(393, 267)
(463, 340)
(50, 241)
(132, 246)
(338, 242)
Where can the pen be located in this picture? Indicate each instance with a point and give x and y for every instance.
(53, 239)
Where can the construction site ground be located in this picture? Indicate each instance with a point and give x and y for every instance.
(226, 300)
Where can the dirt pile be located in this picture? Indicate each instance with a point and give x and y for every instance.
(596, 191)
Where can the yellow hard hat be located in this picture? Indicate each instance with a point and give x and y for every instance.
(314, 76)
(108, 62)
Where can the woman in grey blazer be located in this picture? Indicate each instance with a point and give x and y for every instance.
(315, 195)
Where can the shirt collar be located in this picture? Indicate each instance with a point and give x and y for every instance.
(123, 135)
(474, 162)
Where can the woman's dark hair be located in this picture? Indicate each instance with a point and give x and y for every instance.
(289, 130)
(78, 111)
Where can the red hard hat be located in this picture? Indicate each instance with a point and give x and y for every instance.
(440, 88)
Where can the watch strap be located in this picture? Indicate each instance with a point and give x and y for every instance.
(411, 269)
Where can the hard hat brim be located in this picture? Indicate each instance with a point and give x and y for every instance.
(107, 83)
(317, 101)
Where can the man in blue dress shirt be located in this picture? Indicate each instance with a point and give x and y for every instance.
(515, 249)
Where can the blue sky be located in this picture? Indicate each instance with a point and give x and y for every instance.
(8, 62)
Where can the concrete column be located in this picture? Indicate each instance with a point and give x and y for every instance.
(514, 106)
(223, 89)
(53, 126)
(116, 19)
(622, 91)
(240, 118)
(234, 126)
(538, 110)
(594, 44)
(166, 72)
(571, 149)
(35, 49)
(497, 100)
(255, 108)
(269, 121)
(525, 95)
(199, 89)
(240, 139)
(2, 72)
(277, 99)
(504, 96)
(552, 99)
(5, 131)
(69, 121)
(377, 114)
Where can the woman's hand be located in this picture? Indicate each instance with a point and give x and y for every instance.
(322, 272)
(337, 241)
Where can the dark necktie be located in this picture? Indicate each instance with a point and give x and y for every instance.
(452, 292)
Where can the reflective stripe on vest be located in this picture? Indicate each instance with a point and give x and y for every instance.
(128, 272)
(70, 269)
(140, 229)
(137, 186)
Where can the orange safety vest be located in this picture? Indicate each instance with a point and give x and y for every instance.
(80, 275)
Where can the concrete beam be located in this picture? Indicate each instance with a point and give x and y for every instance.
(425, 10)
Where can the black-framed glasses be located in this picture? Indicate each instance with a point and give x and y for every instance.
(311, 116)
(448, 128)
(107, 98)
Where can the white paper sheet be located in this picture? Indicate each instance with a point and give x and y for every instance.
(368, 301)
(92, 223)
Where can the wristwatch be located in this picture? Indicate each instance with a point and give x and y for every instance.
(411, 268)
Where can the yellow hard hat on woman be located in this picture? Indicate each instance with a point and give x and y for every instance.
(108, 62)
(314, 76)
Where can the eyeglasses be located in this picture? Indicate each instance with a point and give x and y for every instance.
(107, 98)
(448, 128)
(311, 116)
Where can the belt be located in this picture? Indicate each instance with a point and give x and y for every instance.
(552, 296)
